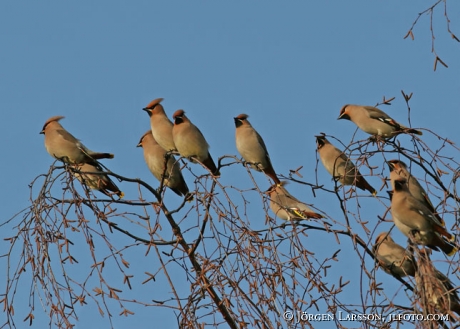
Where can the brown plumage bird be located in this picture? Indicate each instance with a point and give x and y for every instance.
(252, 147)
(63, 146)
(340, 166)
(374, 121)
(154, 156)
(398, 169)
(160, 125)
(190, 142)
(415, 220)
(94, 177)
(393, 258)
(286, 206)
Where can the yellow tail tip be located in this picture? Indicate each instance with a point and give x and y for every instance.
(120, 194)
(454, 250)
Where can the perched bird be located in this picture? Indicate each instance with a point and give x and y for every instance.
(287, 207)
(436, 291)
(63, 146)
(415, 220)
(374, 121)
(252, 147)
(190, 141)
(160, 124)
(94, 177)
(155, 157)
(340, 166)
(393, 258)
(398, 169)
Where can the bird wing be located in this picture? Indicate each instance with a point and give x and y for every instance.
(67, 136)
(200, 133)
(375, 113)
(420, 208)
(262, 143)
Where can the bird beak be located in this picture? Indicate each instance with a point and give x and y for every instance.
(344, 116)
(139, 144)
(42, 132)
(391, 165)
(319, 142)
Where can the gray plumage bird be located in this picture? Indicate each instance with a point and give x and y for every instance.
(162, 167)
(63, 146)
(286, 206)
(160, 125)
(374, 121)
(398, 169)
(393, 258)
(94, 177)
(415, 220)
(252, 148)
(190, 142)
(340, 166)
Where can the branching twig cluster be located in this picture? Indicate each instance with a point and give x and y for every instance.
(430, 11)
(243, 267)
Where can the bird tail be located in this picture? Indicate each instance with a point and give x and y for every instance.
(270, 172)
(443, 232)
(98, 156)
(299, 214)
(189, 197)
(447, 247)
(107, 191)
(311, 214)
(110, 186)
(181, 189)
(414, 131)
(209, 163)
(364, 185)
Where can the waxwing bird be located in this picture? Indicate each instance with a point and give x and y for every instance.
(94, 177)
(154, 156)
(436, 291)
(415, 220)
(393, 258)
(63, 146)
(340, 166)
(287, 207)
(374, 121)
(398, 169)
(160, 124)
(252, 147)
(190, 141)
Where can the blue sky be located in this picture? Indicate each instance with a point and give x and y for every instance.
(290, 66)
